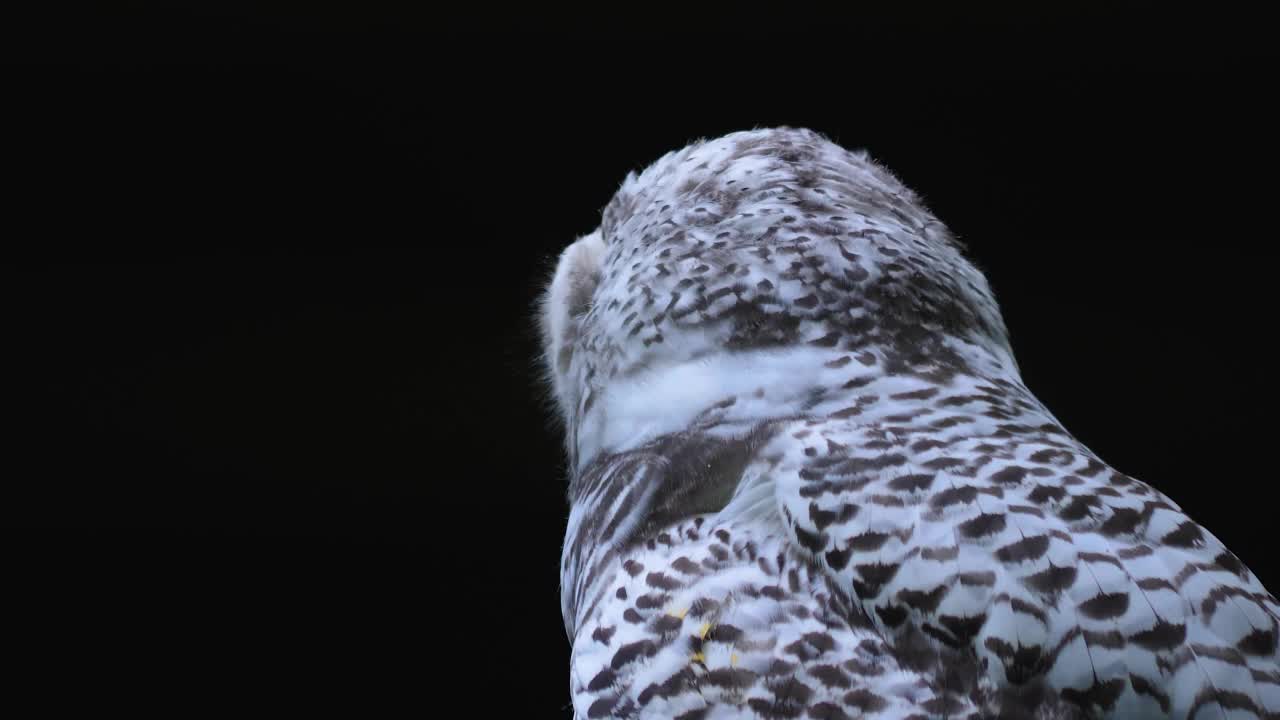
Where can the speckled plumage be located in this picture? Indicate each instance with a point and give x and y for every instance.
(807, 480)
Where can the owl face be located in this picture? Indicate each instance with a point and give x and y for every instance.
(739, 251)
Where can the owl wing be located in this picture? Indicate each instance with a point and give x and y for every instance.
(696, 619)
(1018, 546)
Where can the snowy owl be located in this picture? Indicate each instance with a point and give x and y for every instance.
(808, 481)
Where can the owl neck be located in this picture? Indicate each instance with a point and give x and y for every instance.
(869, 385)
(671, 442)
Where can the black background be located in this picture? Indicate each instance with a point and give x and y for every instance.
(273, 430)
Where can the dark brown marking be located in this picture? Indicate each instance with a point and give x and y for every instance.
(911, 483)
(602, 680)
(1092, 557)
(1134, 552)
(602, 707)
(923, 394)
(732, 678)
(1150, 584)
(685, 566)
(728, 634)
(1187, 535)
(963, 629)
(661, 581)
(1046, 493)
(984, 524)
(1105, 605)
(1011, 475)
(865, 700)
(1259, 642)
(1100, 694)
(868, 541)
(1225, 699)
(954, 496)
(1080, 507)
(633, 651)
(813, 542)
(1022, 606)
(926, 602)
(1052, 580)
(651, 601)
(827, 711)
(831, 676)
(1111, 639)
(838, 559)
(665, 624)
(1229, 562)
(1021, 663)
(872, 577)
(892, 615)
(942, 554)
(978, 579)
(1123, 521)
(1162, 636)
(942, 463)
(1032, 548)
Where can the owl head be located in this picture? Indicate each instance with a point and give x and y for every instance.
(758, 258)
